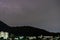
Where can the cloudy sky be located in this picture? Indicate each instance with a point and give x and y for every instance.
(44, 14)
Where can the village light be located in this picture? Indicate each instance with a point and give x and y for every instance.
(21, 37)
(15, 38)
(4, 35)
(33, 37)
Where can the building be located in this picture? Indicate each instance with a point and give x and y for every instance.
(4, 35)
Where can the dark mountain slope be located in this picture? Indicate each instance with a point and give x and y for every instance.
(3, 26)
(28, 30)
(25, 30)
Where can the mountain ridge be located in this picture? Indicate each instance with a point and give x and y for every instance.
(25, 30)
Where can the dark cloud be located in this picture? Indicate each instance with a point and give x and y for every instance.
(39, 13)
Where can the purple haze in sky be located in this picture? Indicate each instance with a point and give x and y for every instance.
(44, 14)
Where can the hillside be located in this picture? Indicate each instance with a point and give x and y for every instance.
(3, 26)
(28, 30)
(25, 30)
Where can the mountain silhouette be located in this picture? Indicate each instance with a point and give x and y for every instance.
(25, 30)
(28, 31)
(3, 26)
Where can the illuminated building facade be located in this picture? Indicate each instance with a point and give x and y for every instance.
(4, 35)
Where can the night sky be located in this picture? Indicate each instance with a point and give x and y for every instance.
(44, 14)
